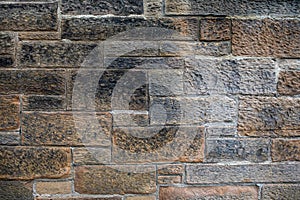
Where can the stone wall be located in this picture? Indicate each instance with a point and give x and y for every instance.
(216, 114)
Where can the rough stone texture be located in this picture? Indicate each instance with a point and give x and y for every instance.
(232, 7)
(289, 64)
(9, 113)
(226, 150)
(236, 76)
(6, 61)
(38, 82)
(9, 138)
(53, 54)
(220, 130)
(104, 28)
(268, 113)
(115, 179)
(7, 43)
(43, 103)
(141, 198)
(289, 83)
(285, 150)
(39, 35)
(117, 7)
(16, 190)
(266, 37)
(215, 29)
(281, 191)
(91, 156)
(169, 180)
(54, 187)
(171, 169)
(34, 162)
(153, 8)
(62, 129)
(270, 173)
(79, 198)
(192, 110)
(28, 16)
(158, 144)
(212, 193)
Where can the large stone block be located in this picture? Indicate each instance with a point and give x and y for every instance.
(252, 173)
(280, 191)
(266, 37)
(19, 16)
(115, 179)
(117, 7)
(7, 43)
(209, 192)
(285, 150)
(34, 162)
(43, 103)
(9, 138)
(231, 7)
(215, 29)
(16, 190)
(268, 114)
(228, 150)
(9, 113)
(62, 129)
(236, 76)
(47, 187)
(91, 28)
(289, 83)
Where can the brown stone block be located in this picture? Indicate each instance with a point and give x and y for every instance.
(285, 150)
(289, 83)
(34, 162)
(16, 190)
(215, 29)
(54, 187)
(280, 191)
(9, 113)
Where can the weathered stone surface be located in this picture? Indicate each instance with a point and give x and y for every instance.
(115, 179)
(289, 64)
(215, 29)
(171, 169)
(266, 37)
(271, 173)
(79, 198)
(104, 28)
(9, 113)
(61, 129)
(130, 119)
(7, 43)
(227, 150)
(220, 130)
(9, 138)
(158, 144)
(236, 76)
(289, 83)
(6, 61)
(192, 110)
(39, 35)
(285, 150)
(53, 54)
(154, 8)
(61, 187)
(231, 7)
(39, 82)
(268, 113)
(34, 162)
(16, 190)
(141, 198)
(43, 103)
(91, 155)
(212, 193)
(118, 7)
(28, 16)
(281, 191)
(169, 179)
(271, 133)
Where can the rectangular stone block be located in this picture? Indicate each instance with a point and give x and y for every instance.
(61, 187)
(141, 198)
(289, 64)
(15, 190)
(209, 192)
(215, 29)
(43, 103)
(169, 180)
(39, 35)
(36, 82)
(170, 169)
(77, 7)
(34, 162)
(70, 129)
(9, 113)
(53, 54)
(79, 198)
(289, 83)
(6, 61)
(280, 191)
(231, 7)
(252, 173)
(130, 119)
(115, 179)
(9, 138)
(20, 16)
(91, 28)
(218, 130)
(91, 155)
(158, 144)
(178, 48)
(236, 76)
(153, 8)
(7, 43)
(266, 37)
(229, 150)
(285, 150)
(268, 114)
(192, 110)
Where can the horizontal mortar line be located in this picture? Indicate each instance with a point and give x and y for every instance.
(227, 16)
(231, 184)
(28, 2)
(243, 163)
(129, 112)
(64, 16)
